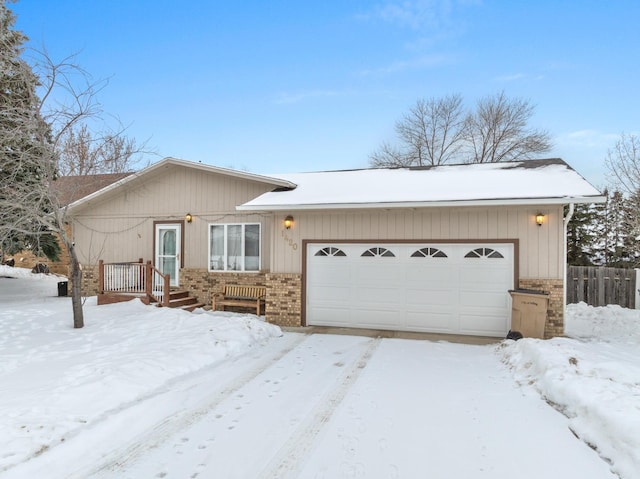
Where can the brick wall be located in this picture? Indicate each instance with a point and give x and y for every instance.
(555, 313)
(284, 291)
(89, 281)
(203, 284)
(284, 299)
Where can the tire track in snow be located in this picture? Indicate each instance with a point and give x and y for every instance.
(289, 458)
(119, 458)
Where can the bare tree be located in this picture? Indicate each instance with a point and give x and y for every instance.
(82, 152)
(623, 165)
(438, 131)
(429, 134)
(498, 131)
(40, 104)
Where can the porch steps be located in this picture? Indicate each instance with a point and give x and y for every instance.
(182, 300)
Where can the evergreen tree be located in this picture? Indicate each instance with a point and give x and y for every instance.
(617, 238)
(27, 157)
(631, 232)
(616, 255)
(581, 236)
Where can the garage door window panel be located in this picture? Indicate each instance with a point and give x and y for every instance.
(428, 253)
(484, 253)
(378, 253)
(330, 251)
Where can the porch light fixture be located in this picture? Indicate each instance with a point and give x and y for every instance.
(188, 217)
(539, 219)
(288, 222)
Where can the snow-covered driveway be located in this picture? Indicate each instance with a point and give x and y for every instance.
(325, 406)
(146, 392)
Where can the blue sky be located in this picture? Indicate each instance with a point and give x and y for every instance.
(283, 86)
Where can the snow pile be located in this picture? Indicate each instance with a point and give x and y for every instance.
(25, 273)
(56, 380)
(610, 323)
(592, 378)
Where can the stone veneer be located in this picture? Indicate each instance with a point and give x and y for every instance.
(555, 313)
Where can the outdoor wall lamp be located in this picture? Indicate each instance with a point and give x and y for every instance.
(188, 217)
(288, 222)
(539, 219)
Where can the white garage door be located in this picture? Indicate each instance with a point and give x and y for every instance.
(442, 288)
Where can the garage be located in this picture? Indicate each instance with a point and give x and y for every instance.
(453, 288)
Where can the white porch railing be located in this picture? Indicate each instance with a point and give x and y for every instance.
(124, 277)
(134, 278)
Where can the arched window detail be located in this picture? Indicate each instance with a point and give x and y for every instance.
(483, 253)
(383, 252)
(428, 253)
(330, 251)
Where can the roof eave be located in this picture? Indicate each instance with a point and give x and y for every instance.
(174, 161)
(427, 204)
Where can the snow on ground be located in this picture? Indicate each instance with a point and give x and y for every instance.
(55, 380)
(593, 377)
(149, 392)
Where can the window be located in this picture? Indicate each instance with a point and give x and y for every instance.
(428, 253)
(234, 247)
(384, 252)
(330, 251)
(483, 253)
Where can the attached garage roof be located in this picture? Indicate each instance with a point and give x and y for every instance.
(550, 181)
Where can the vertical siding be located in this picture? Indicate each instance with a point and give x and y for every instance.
(120, 227)
(540, 247)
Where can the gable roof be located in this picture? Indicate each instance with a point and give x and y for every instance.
(170, 162)
(550, 181)
(71, 188)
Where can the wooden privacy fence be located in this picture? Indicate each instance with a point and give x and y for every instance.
(599, 286)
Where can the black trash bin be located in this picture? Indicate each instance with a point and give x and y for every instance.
(63, 288)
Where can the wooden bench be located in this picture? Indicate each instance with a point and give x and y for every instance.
(242, 296)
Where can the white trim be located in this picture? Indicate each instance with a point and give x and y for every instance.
(166, 162)
(177, 227)
(565, 267)
(424, 204)
(225, 254)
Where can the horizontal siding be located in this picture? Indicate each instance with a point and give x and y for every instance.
(540, 252)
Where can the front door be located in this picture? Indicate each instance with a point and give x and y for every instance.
(168, 250)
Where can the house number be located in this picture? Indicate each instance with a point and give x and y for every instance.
(290, 241)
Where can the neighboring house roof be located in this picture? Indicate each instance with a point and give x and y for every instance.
(171, 162)
(549, 181)
(72, 188)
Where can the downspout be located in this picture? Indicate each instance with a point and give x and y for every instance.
(564, 276)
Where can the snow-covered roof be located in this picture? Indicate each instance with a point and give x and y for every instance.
(549, 181)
